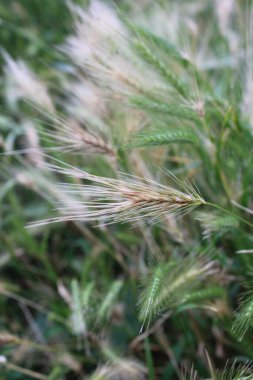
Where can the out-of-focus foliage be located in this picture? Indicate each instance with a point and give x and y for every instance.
(133, 112)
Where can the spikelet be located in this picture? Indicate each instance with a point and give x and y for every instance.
(24, 84)
(101, 45)
(162, 137)
(216, 223)
(34, 150)
(120, 369)
(235, 371)
(167, 285)
(243, 321)
(130, 199)
(68, 136)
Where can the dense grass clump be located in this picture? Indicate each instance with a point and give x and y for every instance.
(126, 135)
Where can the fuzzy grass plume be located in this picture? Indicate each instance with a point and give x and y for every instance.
(126, 89)
(166, 286)
(243, 321)
(130, 199)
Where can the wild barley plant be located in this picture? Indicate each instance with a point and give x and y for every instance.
(152, 121)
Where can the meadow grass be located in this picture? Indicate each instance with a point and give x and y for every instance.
(126, 136)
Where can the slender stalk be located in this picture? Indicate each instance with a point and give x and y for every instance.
(229, 213)
(24, 371)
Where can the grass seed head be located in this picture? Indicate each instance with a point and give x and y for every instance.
(128, 199)
(23, 83)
